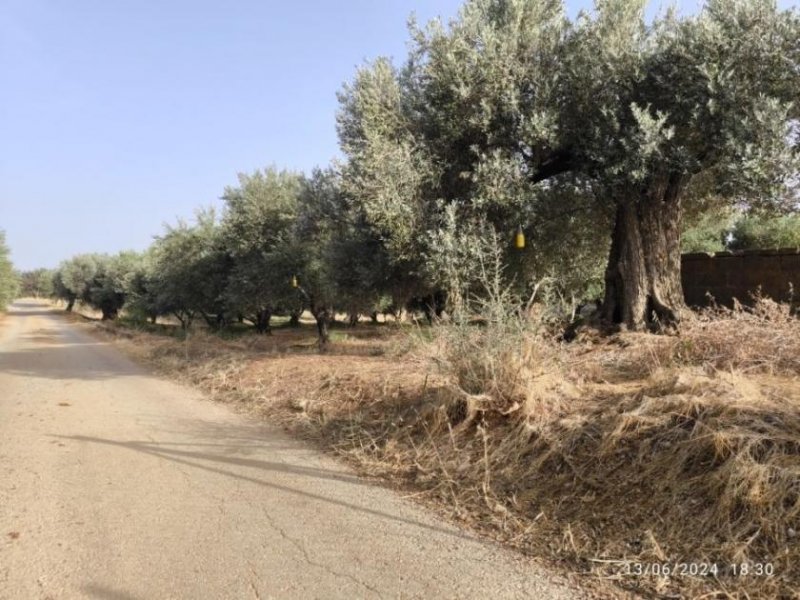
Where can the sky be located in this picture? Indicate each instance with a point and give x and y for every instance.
(118, 117)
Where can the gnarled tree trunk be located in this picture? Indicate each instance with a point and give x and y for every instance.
(262, 321)
(110, 313)
(643, 276)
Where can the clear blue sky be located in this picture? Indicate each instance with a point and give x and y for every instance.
(117, 116)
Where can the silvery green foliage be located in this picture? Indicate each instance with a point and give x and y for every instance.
(344, 265)
(73, 277)
(311, 236)
(260, 210)
(729, 81)
(191, 269)
(257, 231)
(355, 261)
(517, 116)
(765, 231)
(109, 288)
(458, 252)
(37, 283)
(8, 279)
(387, 171)
(142, 301)
(452, 126)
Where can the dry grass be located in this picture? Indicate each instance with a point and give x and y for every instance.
(764, 338)
(602, 454)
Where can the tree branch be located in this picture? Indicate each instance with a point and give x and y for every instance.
(560, 161)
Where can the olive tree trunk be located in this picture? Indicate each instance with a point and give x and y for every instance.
(324, 318)
(643, 275)
(262, 321)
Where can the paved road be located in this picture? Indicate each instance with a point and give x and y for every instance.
(118, 485)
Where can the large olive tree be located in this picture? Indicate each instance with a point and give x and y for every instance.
(513, 112)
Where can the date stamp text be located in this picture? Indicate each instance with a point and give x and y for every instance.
(698, 569)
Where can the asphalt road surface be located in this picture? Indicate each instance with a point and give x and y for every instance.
(120, 485)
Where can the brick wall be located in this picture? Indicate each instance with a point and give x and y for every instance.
(728, 275)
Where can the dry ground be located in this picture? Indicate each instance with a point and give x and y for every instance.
(624, 453)
(115, 484)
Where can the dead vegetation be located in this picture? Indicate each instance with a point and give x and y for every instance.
(607, 453)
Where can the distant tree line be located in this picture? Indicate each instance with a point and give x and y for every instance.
(36, 284)
(8, 278)
(284, 243)
(600, 139)
(731, 230)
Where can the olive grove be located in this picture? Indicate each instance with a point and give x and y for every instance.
(601, 139)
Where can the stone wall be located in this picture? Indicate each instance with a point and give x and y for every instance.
(728, 275)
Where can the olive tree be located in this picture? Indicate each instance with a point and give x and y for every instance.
(191, 268)
(765, 231)
(109, 288)
(512, 109)
(143, 299)
(73, 277)
(356, 260)
(257, 229)
(37, 283)
(414, 153)
(315, 274)
(8, 279)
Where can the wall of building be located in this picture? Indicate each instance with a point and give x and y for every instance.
(728, 275)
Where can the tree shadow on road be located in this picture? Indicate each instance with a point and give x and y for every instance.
(55, 351)
(94, 590)
(62, 359)
(31, 309)
(188, 458)
(234, 436)
(159, 449)
(39, 312)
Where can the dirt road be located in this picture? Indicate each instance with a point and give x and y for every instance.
(116, 484)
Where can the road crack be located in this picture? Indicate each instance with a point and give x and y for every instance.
(307, 557)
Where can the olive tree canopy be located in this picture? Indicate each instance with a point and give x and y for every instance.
(257, 229)
(512, 112)
(8, 279)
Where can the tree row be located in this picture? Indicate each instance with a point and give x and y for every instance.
(595, 140)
